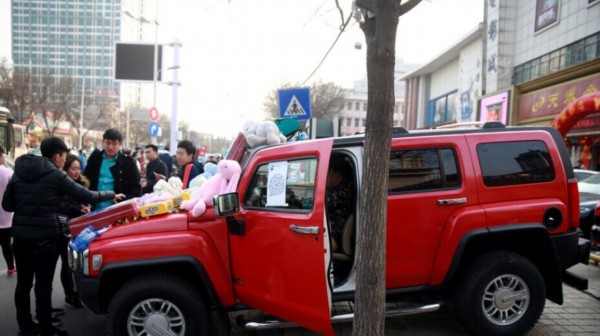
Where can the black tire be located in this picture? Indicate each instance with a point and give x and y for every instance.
(166, 299)
(502, 275)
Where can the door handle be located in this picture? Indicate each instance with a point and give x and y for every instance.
(450, 201)
(309, 230)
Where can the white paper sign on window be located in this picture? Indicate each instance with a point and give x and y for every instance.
(277, 183)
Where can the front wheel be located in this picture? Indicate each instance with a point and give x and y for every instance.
(157, 304)
(500, 293)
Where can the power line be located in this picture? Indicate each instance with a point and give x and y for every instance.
(342, 29)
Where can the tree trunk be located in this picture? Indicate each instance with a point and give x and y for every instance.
(380, 35)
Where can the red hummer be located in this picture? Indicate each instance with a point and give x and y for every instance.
(485, 218)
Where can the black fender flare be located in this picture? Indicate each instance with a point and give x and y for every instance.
(124, 270)
(532, 240)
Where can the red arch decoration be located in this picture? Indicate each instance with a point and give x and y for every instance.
(575, 111)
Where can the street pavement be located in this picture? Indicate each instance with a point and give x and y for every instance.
(579, 315)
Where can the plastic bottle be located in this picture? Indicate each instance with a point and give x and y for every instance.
(77, 240)
(84, 238)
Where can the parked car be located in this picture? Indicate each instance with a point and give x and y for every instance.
(595, 234)
(581, 174)
(590, 184)
(587, 209)
(485, 219)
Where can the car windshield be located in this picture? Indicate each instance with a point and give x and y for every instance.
(594, 179)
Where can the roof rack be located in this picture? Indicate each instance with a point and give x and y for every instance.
(473, 124)
(399, 130)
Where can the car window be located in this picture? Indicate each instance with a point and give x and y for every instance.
(594, 179)
(288, 185)
(515, 162)
(423, 169)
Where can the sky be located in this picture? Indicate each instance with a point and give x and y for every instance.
(237, 51)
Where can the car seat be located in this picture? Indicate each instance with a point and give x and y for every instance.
(343, 251)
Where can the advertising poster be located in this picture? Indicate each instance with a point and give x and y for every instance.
(546, 13)
(495, 108)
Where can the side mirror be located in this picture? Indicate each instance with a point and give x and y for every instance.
(226, 205)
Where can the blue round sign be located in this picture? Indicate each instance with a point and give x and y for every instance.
(153, 129)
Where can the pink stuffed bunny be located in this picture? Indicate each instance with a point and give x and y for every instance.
(223, 182)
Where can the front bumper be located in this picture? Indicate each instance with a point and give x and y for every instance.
(87, 287)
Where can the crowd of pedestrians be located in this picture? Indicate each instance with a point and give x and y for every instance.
(51, 185)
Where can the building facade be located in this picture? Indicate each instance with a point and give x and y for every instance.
(76, 39)
(68, 39)
(522, 66)
(353, 116)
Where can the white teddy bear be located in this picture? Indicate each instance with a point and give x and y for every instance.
(262, 133)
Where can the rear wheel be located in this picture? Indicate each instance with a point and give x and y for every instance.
(500, 293)
(157, 304)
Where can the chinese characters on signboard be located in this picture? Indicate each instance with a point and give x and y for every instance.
(552, 100)
(546, 13)
(495, 108)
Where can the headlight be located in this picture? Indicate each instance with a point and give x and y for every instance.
(85, 260)
(73, 259)
(584, 212)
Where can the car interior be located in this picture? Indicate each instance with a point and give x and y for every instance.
(343, 250)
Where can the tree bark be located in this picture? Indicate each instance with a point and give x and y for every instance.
(380, 35)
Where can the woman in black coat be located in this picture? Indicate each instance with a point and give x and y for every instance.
(70, 208)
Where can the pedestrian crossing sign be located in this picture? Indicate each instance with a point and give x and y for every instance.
(295, 102)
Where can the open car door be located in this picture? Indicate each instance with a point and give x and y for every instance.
(279, 263)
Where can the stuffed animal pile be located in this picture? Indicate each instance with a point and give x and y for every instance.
(224, 181)
(163, 191)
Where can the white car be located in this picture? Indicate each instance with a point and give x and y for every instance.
(581, 174)
(590, 184)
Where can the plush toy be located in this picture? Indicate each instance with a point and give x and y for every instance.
(210, 169)
(223, 182)
(176, 185)
(262, 133)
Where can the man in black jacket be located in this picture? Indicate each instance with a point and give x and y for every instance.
(155, 170)
(110, 169)
(34, 195)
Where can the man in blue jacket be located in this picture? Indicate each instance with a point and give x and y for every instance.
(110, 169)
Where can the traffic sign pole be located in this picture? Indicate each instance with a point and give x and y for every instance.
(154, 118)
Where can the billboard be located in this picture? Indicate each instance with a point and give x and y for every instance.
(495, 107)
(135, 61)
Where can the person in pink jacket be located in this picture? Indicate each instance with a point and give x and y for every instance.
(6, 218)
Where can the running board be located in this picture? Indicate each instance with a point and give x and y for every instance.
(394, 312)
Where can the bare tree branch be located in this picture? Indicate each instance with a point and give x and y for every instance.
(408, 6)
(365, 4)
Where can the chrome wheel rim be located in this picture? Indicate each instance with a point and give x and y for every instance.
(156, 317)
(505, 299)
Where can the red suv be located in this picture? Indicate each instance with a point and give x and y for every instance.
(484, 218)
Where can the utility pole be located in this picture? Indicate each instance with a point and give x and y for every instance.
(175, 83)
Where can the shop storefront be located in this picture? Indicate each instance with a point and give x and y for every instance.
(542, 105)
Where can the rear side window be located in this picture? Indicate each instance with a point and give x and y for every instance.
(422, 170)
(288, 185)
(516, 162)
